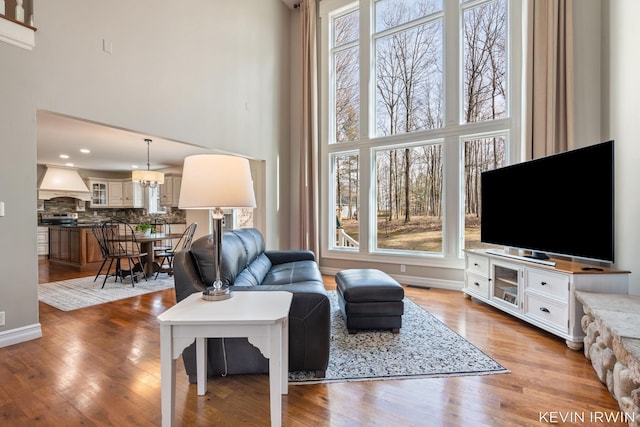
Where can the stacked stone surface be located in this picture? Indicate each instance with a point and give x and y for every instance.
(612, 343)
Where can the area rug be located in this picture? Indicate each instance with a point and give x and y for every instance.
(73, 294)
(424, 348)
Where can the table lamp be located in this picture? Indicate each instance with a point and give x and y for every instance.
(216, 182)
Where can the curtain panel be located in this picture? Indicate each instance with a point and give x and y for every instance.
(549, 121)
(308, 197)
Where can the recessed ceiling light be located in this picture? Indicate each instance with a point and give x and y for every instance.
(85, 151)
(64, 156)
(134, 166)
(69, 164)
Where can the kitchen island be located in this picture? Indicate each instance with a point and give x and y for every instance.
(75, 246)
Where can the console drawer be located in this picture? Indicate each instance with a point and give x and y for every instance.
(478, 264)
(552, 313)
(554, 285)
(478, 285)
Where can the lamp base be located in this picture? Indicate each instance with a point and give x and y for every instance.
(217, 294)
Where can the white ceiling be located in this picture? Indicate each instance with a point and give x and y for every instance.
(112, 149)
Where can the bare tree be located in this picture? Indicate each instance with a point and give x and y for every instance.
(485, 61)
(346, 67)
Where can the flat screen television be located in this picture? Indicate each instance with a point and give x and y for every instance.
(561, 204)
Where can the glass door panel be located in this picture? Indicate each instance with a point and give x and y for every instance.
(505, 284)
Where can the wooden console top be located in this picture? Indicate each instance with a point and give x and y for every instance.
(563, 265)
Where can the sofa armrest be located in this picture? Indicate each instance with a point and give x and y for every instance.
(186, 276)
(309, 324)
(280, 257)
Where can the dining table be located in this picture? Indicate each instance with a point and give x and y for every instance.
(146, 242)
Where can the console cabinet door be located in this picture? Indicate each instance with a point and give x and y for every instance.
(506, 284)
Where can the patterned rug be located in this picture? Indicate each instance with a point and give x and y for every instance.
(424, 348)
(73, 294)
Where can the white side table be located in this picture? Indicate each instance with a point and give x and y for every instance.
(262, 317)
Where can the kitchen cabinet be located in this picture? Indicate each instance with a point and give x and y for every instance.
(43, 241)
(115, 193)
(74, 246)
(170, 191)
(99, 191)
(132, 194)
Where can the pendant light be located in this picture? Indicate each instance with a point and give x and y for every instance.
(148, 178)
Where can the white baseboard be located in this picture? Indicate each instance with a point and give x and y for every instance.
(19, 335)
(422, 282)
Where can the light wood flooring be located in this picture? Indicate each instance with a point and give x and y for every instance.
(101, 366)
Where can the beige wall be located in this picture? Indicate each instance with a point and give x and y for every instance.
(212, 73)
(18, 257)
(587, 74)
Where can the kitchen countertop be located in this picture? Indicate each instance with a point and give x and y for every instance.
(87, 225)
(66, 225)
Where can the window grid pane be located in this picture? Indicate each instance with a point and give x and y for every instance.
(409, 198)
(480, 155)
(346, 28)
(485, 62)
(347, 95)
(346, 185)
(409, 80)
(391, 13)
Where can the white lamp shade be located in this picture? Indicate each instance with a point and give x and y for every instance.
(147, 176)
(216, 181)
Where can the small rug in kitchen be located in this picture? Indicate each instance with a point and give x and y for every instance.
(424, 348)
(73, 294)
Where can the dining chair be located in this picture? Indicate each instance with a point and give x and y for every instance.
(161, 226)
(122, 246)
(98, 231)
(183, 243)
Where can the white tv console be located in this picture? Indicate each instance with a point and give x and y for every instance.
(540, 294)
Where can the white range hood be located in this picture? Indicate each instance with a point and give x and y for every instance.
(60, 181)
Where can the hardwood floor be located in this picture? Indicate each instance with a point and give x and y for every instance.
(101, 366)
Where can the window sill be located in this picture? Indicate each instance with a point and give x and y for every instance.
(17, 34)
(432, 260)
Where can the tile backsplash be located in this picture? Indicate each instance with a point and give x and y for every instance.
(89, 215)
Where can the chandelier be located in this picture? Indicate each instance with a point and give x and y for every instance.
(148, 178)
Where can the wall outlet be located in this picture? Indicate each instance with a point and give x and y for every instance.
(403, 268)
(1, 318)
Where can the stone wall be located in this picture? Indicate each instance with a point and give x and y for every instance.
(612, 343)
(89, 215)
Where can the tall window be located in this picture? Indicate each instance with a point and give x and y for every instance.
(419, 101)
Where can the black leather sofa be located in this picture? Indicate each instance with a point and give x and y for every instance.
(246, 266)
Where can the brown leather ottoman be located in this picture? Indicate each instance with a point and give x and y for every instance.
(370, 299)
